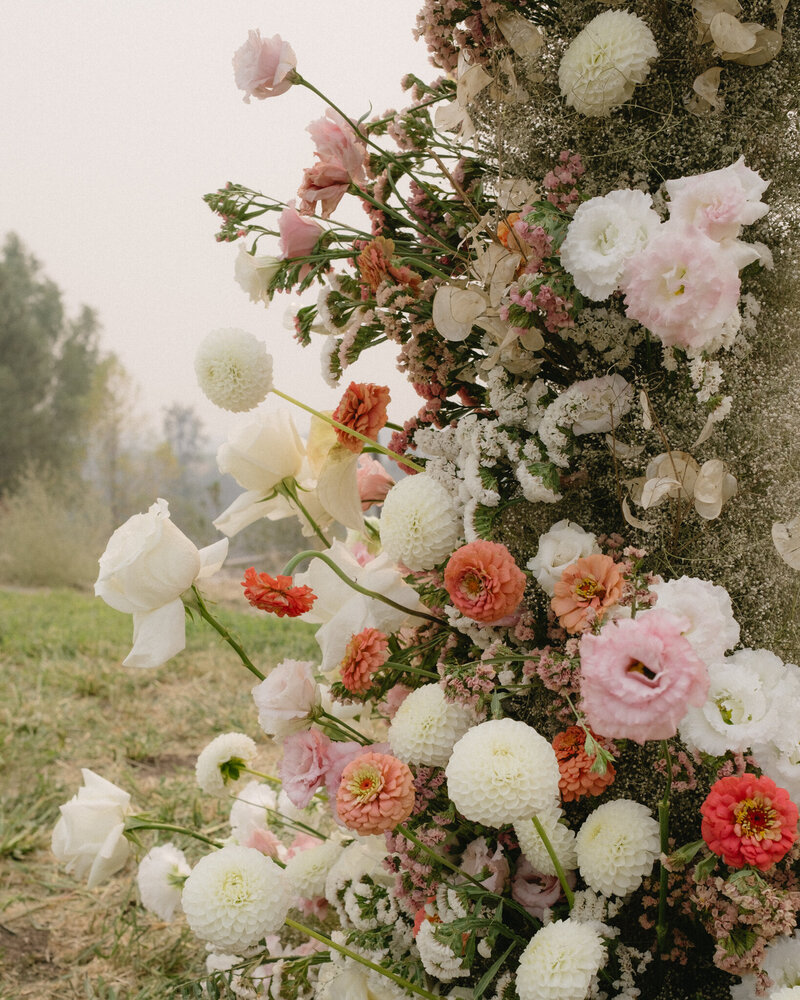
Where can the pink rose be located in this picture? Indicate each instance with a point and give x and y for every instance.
(374, 482)
(534, 891)
(639, 676)
(336, 142)
(286, 699)
(478, 858)
(720, 202)
(327, 183)
(262, 66)
(306, 761)
(298, 234)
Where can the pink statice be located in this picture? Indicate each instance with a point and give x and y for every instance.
(561, 182)
(305, 764)
(639, 676)
(262, 67)
(416, 881)
(683, 287)
(719, 202)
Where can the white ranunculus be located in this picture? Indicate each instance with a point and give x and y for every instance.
(148, 563)
(262, 452)
(609, 399)
(90, 836)
(254, 272)
(562, 545)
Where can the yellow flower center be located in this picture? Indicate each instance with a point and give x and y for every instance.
(637, 667)
(365, 783)
(589, 588)
(472, 584)
(756, 818)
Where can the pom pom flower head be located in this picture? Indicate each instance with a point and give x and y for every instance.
(222, 761)
(376, 793)
(233, 369)
(560, 962)
(484, 582)
(617, 846)
(426, 727)
(419, 525)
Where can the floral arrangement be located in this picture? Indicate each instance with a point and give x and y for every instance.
(536, 758)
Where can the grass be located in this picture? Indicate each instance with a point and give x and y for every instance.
(66, 703)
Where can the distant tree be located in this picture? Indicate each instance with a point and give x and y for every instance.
(47, 363)
(183, 430)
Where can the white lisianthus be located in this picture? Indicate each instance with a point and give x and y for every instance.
(254, 272)
(560, 962)
(90, 835)
(605, 62)
(232, 898)
(608, 399)
(220, 762)
(707, 607)
(561, 546)
(233, 369)
(561, 838)
(426, 727)
(162, 872)
(502, 771)
(286, 698)
(419, 524)
(617, 846)
(308, 870)
(148, 563)
(603, 236)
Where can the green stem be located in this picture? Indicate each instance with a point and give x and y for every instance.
(400, 459)
(289, 568)
(407, 669)
(663, 826)
(269, 778)
(562, 878)
(141, 823)
(289, 490)
(361, 960)
(343, 727)
(212, 621)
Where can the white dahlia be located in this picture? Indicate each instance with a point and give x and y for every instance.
(162, 872)
(617, 846)
(560, 962)
(308, 870)
(605, 62)
(221, 762)
(561, 838)
(603, 236)
(419, 524)
(235, 896)
(502, 771)
(786, 993)
(233, 369)
(427, 727)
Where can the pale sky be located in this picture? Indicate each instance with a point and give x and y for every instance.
(117, 116)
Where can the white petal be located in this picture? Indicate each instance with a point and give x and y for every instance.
(157, 635)
(212, 557)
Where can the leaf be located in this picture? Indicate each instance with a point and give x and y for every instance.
(787, 541)
(704, 868)
(486, 979)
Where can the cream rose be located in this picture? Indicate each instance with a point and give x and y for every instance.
(562, 545)
(148, 563)
(89, 836)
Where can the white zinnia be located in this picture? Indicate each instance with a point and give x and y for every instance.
(226, 752)
(232, 898)
(160, 877)
(561, 546)
(605, 62)
(419, 524)
(502, 771)
(560, 962)
(233, 369)
(617, 846)
(426, 727)
(254, 272)
(707, 606)
(561, 838)
(603, 236)
(308, 870)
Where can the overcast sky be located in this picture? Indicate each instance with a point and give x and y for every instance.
(117, 116)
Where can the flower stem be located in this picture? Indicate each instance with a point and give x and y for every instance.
(290, 567)
(142, 823)
(408, 669)
(562, 878)
(289, 490)
(343, 727)
(361, 960)
(212, 621)
(400, 459)
(663, 825)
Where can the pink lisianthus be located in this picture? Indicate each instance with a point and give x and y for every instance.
(534, 891)
(298, 235)
(305, 764)
(683, 286)
(374, 482)
(286, 698)
(639, 676)
(720, 202)
(376, 793)
(478, 858)
(325, 183)
(336, 142)
(262, 66)
(484, 582)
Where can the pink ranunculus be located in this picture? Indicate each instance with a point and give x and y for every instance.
(683, 286)
(534, 891)
(720, 202)
(299, 235)
(325, 183)
(478, 858)
(484, 582)
(336, 142)
(374, 482)
(639, 676)
(262, 66)
(286, 698)
(305, 763)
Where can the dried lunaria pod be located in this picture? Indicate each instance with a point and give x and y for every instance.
(787, 541)
(523, 37)
(747, 43)
(678, 476)
(706, 97)
(455, 310)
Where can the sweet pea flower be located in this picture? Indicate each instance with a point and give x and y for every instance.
(146, 567)
(374, 482)
(305, 764)
(262, 66)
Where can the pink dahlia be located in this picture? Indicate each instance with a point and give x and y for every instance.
(484, 582)
(366, 652)
(586, 590)
(749, 821)
(639, 676)
(375, 794)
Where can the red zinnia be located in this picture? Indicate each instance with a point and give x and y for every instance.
(749, 821)
(276, 594)
(577, 777)
(484, 582)
(363, 407)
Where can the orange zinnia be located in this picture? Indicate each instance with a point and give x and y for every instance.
(586, 590)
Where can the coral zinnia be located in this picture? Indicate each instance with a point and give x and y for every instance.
(375, 794)
(749, 821)
(362, 407)
(577, 777)
(484, 582)
(276, 594)
(585, 591)
(366, 652)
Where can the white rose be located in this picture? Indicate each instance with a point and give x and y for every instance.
(263, 452)
(148, 563)
(89, 836)
(609, 399)
(562, 545)
(254, 272)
